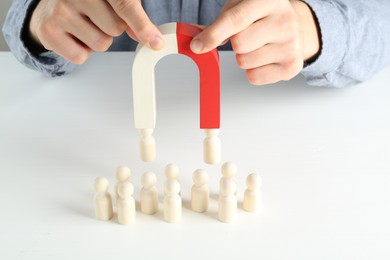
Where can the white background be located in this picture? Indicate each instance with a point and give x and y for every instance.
(323, 155)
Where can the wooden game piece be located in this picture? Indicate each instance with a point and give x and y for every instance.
(122, 174)
(172, 201)
(252, 195)
(200, 191)
(211, 147)
(147, 145)
(177, 37)
(125, 204)
(229, 171)
(149, 194)
(172, 171)
(227, 202)
(102, 200)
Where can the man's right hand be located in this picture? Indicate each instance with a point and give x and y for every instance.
(75, 28)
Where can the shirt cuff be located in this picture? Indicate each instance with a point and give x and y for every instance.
(333, 42)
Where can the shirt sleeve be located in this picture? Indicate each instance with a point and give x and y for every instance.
(355, 37)
(48, 62)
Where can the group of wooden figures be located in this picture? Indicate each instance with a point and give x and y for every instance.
(172, 202)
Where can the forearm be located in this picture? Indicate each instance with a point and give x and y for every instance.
(310, 33)
(355, 41)
(48, 63)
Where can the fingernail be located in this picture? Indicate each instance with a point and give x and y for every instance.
(156, 43)
(196, 45)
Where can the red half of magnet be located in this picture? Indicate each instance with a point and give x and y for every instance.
(209, 74)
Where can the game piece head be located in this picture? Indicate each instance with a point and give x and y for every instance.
(200, 177)
(101, 184)
(172, 187)
(228, 188)
(146, 131)
(148, 179)
(253, 181)
(211, 132)
(172, 171)
(125, 189)
(229, 169)
(123, 173)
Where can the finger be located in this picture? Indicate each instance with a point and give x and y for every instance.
(258, 58)
(270, 53)
(254, 37)
(268, 74)
(229, 23)
(271, 73)
(229, 4)
(104, 17)
(200, 26)
(131, 34)
(225, 7)
(263, 32)
(132, 12)
(224, 42)
(85, 31)
(65, 45)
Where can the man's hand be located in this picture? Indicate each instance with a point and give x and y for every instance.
(75, 28)
(271, 38)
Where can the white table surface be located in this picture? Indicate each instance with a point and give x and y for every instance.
(323, 154)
